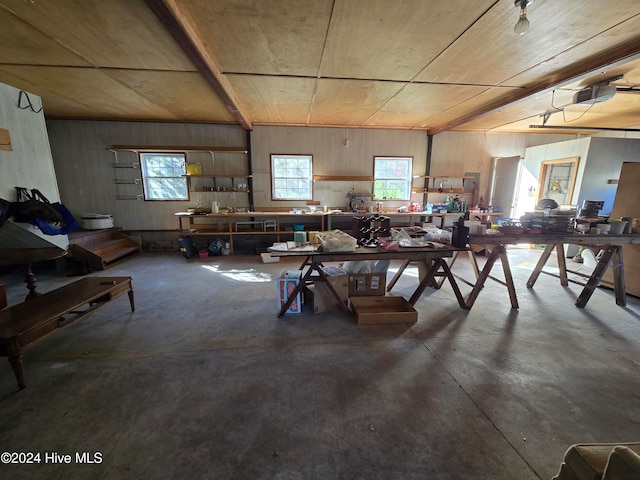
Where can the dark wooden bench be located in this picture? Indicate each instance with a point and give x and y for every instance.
(24, 323)
(101, 249)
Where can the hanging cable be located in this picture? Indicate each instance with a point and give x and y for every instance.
(29, 104)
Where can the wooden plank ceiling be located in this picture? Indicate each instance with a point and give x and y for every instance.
(410, 64)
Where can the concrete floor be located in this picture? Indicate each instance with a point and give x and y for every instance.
(204, 381)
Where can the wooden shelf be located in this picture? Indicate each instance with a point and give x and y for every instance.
(445, 190)
(218, 176)
(161, 148)
(440, 176)
(219, 191)
(343, 178)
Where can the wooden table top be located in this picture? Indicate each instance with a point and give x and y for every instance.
(26, 256)
(569, 238)
(73, 295)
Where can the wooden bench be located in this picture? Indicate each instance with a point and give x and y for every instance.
(24, 323)
(101, 249)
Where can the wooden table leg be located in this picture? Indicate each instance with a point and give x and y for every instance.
(454, 284)
(484, 274)
(440, 282)
(295, 292)
(15, 359)
(305, 262)
(562, 265)
(333, 291)
(596, 276)
(618, 277)
(541, 262)
(474, 262)
(428, 278)
(398, 274)
(30, 280)
(506, 268)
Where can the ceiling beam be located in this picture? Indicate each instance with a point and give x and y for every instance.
(593, 66)
(183, 30)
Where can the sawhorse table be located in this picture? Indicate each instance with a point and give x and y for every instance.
(433, 259)
(610, 245)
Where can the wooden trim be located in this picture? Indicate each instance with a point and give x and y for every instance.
(219, 176)
(544, 165)
(342, 178)
(441, 176)
(170, 149)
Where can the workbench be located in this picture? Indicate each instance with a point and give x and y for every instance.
(432, 259)
(609, 244)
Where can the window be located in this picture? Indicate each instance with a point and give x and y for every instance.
(392, 178)
(291, 177)
(163, 176)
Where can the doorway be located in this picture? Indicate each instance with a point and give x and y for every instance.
(505, 183)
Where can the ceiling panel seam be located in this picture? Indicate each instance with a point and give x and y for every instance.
(322, 56)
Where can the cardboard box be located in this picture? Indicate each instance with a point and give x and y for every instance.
(287, 282)
(318, 296)
(383, 310)
(367, 284)
(319, 300)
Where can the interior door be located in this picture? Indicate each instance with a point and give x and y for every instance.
(506, 177)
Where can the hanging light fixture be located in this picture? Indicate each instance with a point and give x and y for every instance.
(523, 23)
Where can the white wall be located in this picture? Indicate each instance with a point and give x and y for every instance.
(600, 160)
(29, 164)
(534, 157)
(604, 163)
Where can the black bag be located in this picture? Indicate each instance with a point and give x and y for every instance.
(6, 210)
(50, 218)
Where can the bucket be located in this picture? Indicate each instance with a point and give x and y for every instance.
(617, 226)
(96, 221)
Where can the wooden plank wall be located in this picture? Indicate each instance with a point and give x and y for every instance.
(85, 175)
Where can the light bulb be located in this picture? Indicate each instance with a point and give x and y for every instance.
(523, 24)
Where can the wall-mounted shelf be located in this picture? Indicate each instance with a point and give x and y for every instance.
(127, 181)
(219, 176)
(230, 185)
(170, 149)
(343, 178)
(458, 190)
(441, 176)
(125, 165)
(233, 188)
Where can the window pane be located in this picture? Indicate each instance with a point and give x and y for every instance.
(392, 178)
(291, 177)
(163, 176)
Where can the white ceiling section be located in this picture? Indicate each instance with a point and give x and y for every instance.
(432, 65)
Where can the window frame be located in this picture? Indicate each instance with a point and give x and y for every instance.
(145, 176)
(408, 179)
(274, 179)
